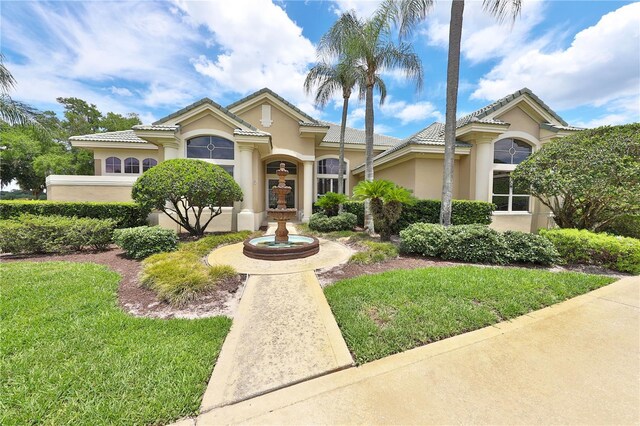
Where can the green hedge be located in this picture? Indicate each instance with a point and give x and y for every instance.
(464, 212)
(625, 226)
(126, 215)
(143, 241)
(476, 244)
(582, 246)
(342, 222)
(54, 234)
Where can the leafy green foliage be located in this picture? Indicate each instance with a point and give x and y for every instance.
(425, 239)
(374, 253)
(73, 356)
(205, 245)
(125, 214)
(582, 246)
(386, 200)
(530, 248)
(330, 203)
(82, 118)
(475, 244)
(185, 189)
(342, 222)
(626, 226)
(387, 313)
(587, 179)
(144, 241)
(54, 234)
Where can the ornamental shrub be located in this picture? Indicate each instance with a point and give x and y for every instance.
(425, 239)
(330, 202)
(626, 226)
(205, 245)
(144, 241)
(374, 253)
(54, 234)
(582, 246)
(475, 244)
(530, 248)
(125, 214)
(342, 222)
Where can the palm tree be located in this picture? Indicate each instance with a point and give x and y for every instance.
(369, 44)
(11, 111)
(407, 14)
(327, 80)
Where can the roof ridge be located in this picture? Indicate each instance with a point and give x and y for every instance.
(275, 95)
(359, 130)
(205, 100)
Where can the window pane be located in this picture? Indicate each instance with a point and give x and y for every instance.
(329, 166)
(211, 147)
(520, 156)
(273, 167)
(112, 165)
(325, 185)
(521, 146)
(131, 165)
(501, 157)
(520, 203)
(520, 189)
(503, 145)
(502, 203)
(228, 169)
(501, 183)
(148, 163)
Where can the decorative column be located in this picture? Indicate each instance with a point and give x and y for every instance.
(308, 190)
(171, 150)
(484, 165)
(246, 219)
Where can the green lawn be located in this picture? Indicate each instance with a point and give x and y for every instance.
(383, 314)
(69, 355)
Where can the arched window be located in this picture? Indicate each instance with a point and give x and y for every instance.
(210, 147)
(273, 167)
(148, 163)
(131, 165)
(507, 154)
(112, 165)
(327, 176)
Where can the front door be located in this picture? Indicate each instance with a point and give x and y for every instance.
(290, 198)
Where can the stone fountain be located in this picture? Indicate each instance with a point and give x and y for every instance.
(281, 246)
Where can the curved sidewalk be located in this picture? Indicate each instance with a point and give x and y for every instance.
(577, 362)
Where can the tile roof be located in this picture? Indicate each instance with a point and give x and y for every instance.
(278, 97)
(154, 127)
(124, 136)
(250, 132)
(484, 111)
(555, 128)
(355, 136)
(309, 124)
(209, 102)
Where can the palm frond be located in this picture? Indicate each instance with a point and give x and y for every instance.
(16, 112)
(503, 9)
(7, 82)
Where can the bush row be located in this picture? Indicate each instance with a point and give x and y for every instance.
(477, 244)
(342, 222)
(51, 234)
(143, 241)
(626, 226)
(582, 246)
(464, 212)
(125, 214)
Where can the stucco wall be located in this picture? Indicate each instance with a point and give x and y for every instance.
(521, 121)
(88, 193)
(512, 222)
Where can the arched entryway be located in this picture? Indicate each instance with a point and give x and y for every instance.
(271, 180)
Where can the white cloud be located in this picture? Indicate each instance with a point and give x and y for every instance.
(363, 8)
(600, 68)
(120, 91)
(258, 46)
(410, 112)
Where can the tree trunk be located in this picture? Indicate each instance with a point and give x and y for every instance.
(453, 73)
(343, 123)
(368, 169)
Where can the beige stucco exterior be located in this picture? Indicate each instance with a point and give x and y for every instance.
(266, 128)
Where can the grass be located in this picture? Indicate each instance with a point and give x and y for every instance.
(374, 252)
(70, 355)
(205, 245)
(303, 228)
(387, 313)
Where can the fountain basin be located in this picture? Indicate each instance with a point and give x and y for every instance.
(266, 247)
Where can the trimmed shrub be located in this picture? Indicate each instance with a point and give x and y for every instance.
(475, 244)
(425, 239)
(342, 222)
(625, 226)
(54, 234)
(330, 202)
(179, 277)
(144, 241)
(205, 245)
(356, 208)
(375, 253)
(530, 248)
(582, 246)
(125, 214)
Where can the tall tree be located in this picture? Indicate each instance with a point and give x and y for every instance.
(371, 47)
(407, 14)
(11, 111)
(327, 80)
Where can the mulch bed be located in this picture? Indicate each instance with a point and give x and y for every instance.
(140, 301)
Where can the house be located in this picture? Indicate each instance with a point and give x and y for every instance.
(250, 137)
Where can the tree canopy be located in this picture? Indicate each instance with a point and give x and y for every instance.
(588, 179)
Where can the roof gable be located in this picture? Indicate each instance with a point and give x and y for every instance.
(197, 107)
(266, 93)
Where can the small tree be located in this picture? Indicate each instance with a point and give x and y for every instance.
(386, 200)
(588, 179)
(185, 188)
(331, 202)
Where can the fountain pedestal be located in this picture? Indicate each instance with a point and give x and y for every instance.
(281, 246)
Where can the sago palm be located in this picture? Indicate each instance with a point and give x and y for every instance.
(326, 80)
(407, 13)
(370, 46)
(386, 200)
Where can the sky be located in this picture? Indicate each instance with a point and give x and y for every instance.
(155, 57)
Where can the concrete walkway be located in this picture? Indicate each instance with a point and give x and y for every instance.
(283, 332)
(577, 362)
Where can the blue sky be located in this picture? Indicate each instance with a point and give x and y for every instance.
(581, 57)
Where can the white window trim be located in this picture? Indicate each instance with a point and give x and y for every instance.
(329, 176)
(498, 167)
(213, 132)
(122, 173)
